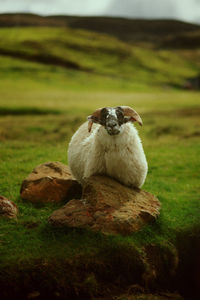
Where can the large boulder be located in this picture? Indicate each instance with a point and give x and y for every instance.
(109, 207)
(8, 208)
(50, 182)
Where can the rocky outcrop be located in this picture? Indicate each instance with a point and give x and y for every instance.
(50, 182)
(109, 207)
(8, 208)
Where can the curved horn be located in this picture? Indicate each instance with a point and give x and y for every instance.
(132, 114)
(94, 118)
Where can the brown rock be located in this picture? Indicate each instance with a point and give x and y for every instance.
(109, 207)
(50, 182)
(8, 208)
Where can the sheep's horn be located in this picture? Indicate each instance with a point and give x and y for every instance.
(134, 116)
(94, 118)
(90, 123)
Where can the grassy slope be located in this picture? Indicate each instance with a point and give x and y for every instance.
(128, 30)
(117, 64)
(29, 137)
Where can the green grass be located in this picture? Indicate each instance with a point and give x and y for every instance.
(108, 63)
(41, 106)
(171, 140)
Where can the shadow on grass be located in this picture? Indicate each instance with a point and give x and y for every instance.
(45, 59)
(81, 264)
(188, 274)
(21, 111)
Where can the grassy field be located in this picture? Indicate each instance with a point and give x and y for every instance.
(41, 105)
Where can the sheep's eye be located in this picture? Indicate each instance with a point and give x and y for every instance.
(104, 114)
(120, 116)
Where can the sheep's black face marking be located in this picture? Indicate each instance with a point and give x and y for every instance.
(120, 115)
(104, 113)
(112, 119)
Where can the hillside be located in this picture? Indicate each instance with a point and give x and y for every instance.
(126, 53)
(129, 30)
(102, 60)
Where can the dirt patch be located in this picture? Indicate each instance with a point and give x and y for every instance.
(158, 271)
(188, 273)
(116, 269)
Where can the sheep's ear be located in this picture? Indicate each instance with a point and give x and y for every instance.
(131, 115)
(94, 118)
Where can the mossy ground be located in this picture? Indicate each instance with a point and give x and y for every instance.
(40, 107)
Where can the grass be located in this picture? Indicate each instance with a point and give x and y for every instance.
(171, 141)
(40, 107)
(53, 55)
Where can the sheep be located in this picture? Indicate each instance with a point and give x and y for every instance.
(108, 144)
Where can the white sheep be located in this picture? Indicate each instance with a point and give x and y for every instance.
(110, 147)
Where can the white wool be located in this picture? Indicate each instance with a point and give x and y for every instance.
(119, 156)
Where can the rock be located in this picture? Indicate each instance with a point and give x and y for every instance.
(8, 208)
(109, 207)
(50, 182)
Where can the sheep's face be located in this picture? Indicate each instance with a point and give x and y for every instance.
(112, 118)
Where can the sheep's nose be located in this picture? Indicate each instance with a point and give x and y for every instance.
(112, 124)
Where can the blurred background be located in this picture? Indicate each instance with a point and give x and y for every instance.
(74, 56)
